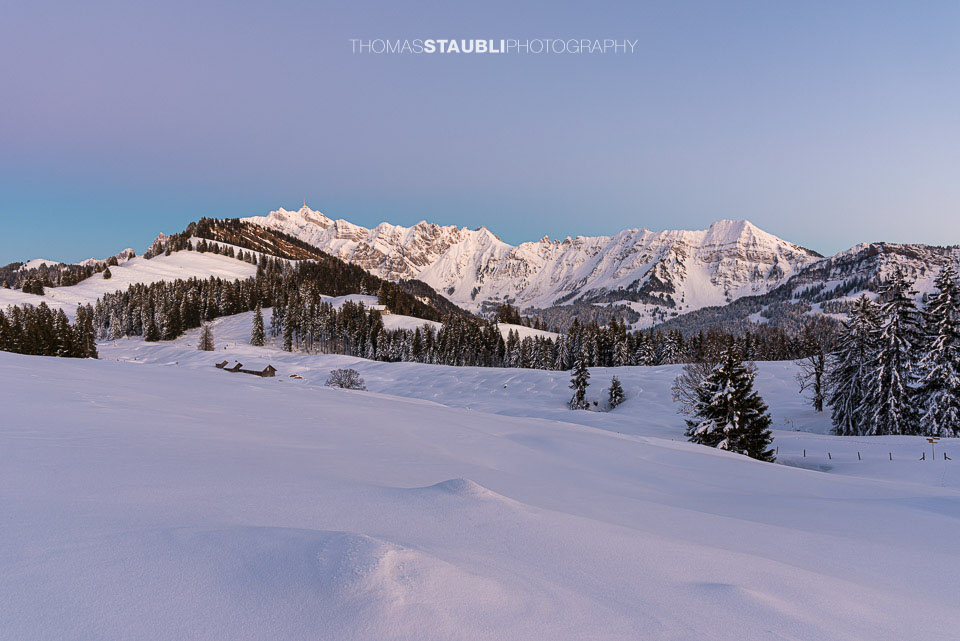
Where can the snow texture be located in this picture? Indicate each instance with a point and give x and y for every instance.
(151, 495)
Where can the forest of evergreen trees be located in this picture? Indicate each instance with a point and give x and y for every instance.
(40, 331)
(896, 369)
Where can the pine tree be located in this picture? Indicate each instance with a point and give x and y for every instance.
(848, 365)
(729, 414)
(63, 335)
(888, 402)
(116, 325)
(616, 393)
(257, 333)
(579, 383)
(84, 333)
(939, 385)
(151, 332)
(106, 274)
(206, 338)
(288, 333)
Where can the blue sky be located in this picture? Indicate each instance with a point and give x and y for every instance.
(826, 123)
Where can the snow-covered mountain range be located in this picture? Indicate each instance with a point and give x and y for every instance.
(679, 270)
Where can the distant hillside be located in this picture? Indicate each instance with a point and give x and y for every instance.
(407, 297)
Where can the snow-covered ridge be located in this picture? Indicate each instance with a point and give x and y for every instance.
(678, 269)
(139, 270)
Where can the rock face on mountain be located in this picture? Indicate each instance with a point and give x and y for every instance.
(677, 270)
(864, 266)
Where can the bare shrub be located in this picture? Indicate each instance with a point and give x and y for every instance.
(345, 379)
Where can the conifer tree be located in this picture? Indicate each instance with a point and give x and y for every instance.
(888, 401)
(63, 335)
(616, 393)
(579, 383)
(729, 414)
(84, 333)
(848, 367)
(206, 338)
(151, 332)
(939, 385)
(106, 274)
(257, 333)
(288, 333)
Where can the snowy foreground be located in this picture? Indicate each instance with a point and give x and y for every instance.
(162, 498)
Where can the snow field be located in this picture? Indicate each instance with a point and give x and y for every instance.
(175, 501)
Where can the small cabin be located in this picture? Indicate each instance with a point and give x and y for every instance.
(267, 372)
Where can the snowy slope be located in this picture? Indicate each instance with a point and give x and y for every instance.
(157, 501)
(801, 434)
(398, 321)
(524, 332)
(682, 269)
(38, 262)
(390, 321)
(184, 264)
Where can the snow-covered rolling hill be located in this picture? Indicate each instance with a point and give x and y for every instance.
(684, 270)
(163, 498)
(184, 264)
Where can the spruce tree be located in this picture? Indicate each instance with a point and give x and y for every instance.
(84, 333)
(889, 396)
(848, 365)
(616, 393)
(206, 338)
(729, 414)
(939, 384)
(151, 332)
(579, 383)
(63, 335)
(257, 333)
(288, 333)
(106, 274)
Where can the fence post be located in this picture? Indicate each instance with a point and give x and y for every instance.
(858, 456)
(891, 456)
(829, 457)
(804, 452)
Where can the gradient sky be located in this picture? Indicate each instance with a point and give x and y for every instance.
(826, 123)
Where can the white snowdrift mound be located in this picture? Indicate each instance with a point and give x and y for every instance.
(171, 502)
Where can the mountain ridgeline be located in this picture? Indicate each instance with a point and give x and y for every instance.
(677, 271)
(731, 276)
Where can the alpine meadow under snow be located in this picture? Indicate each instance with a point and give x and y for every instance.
(149, 494)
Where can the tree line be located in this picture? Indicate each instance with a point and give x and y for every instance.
(40, 331)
